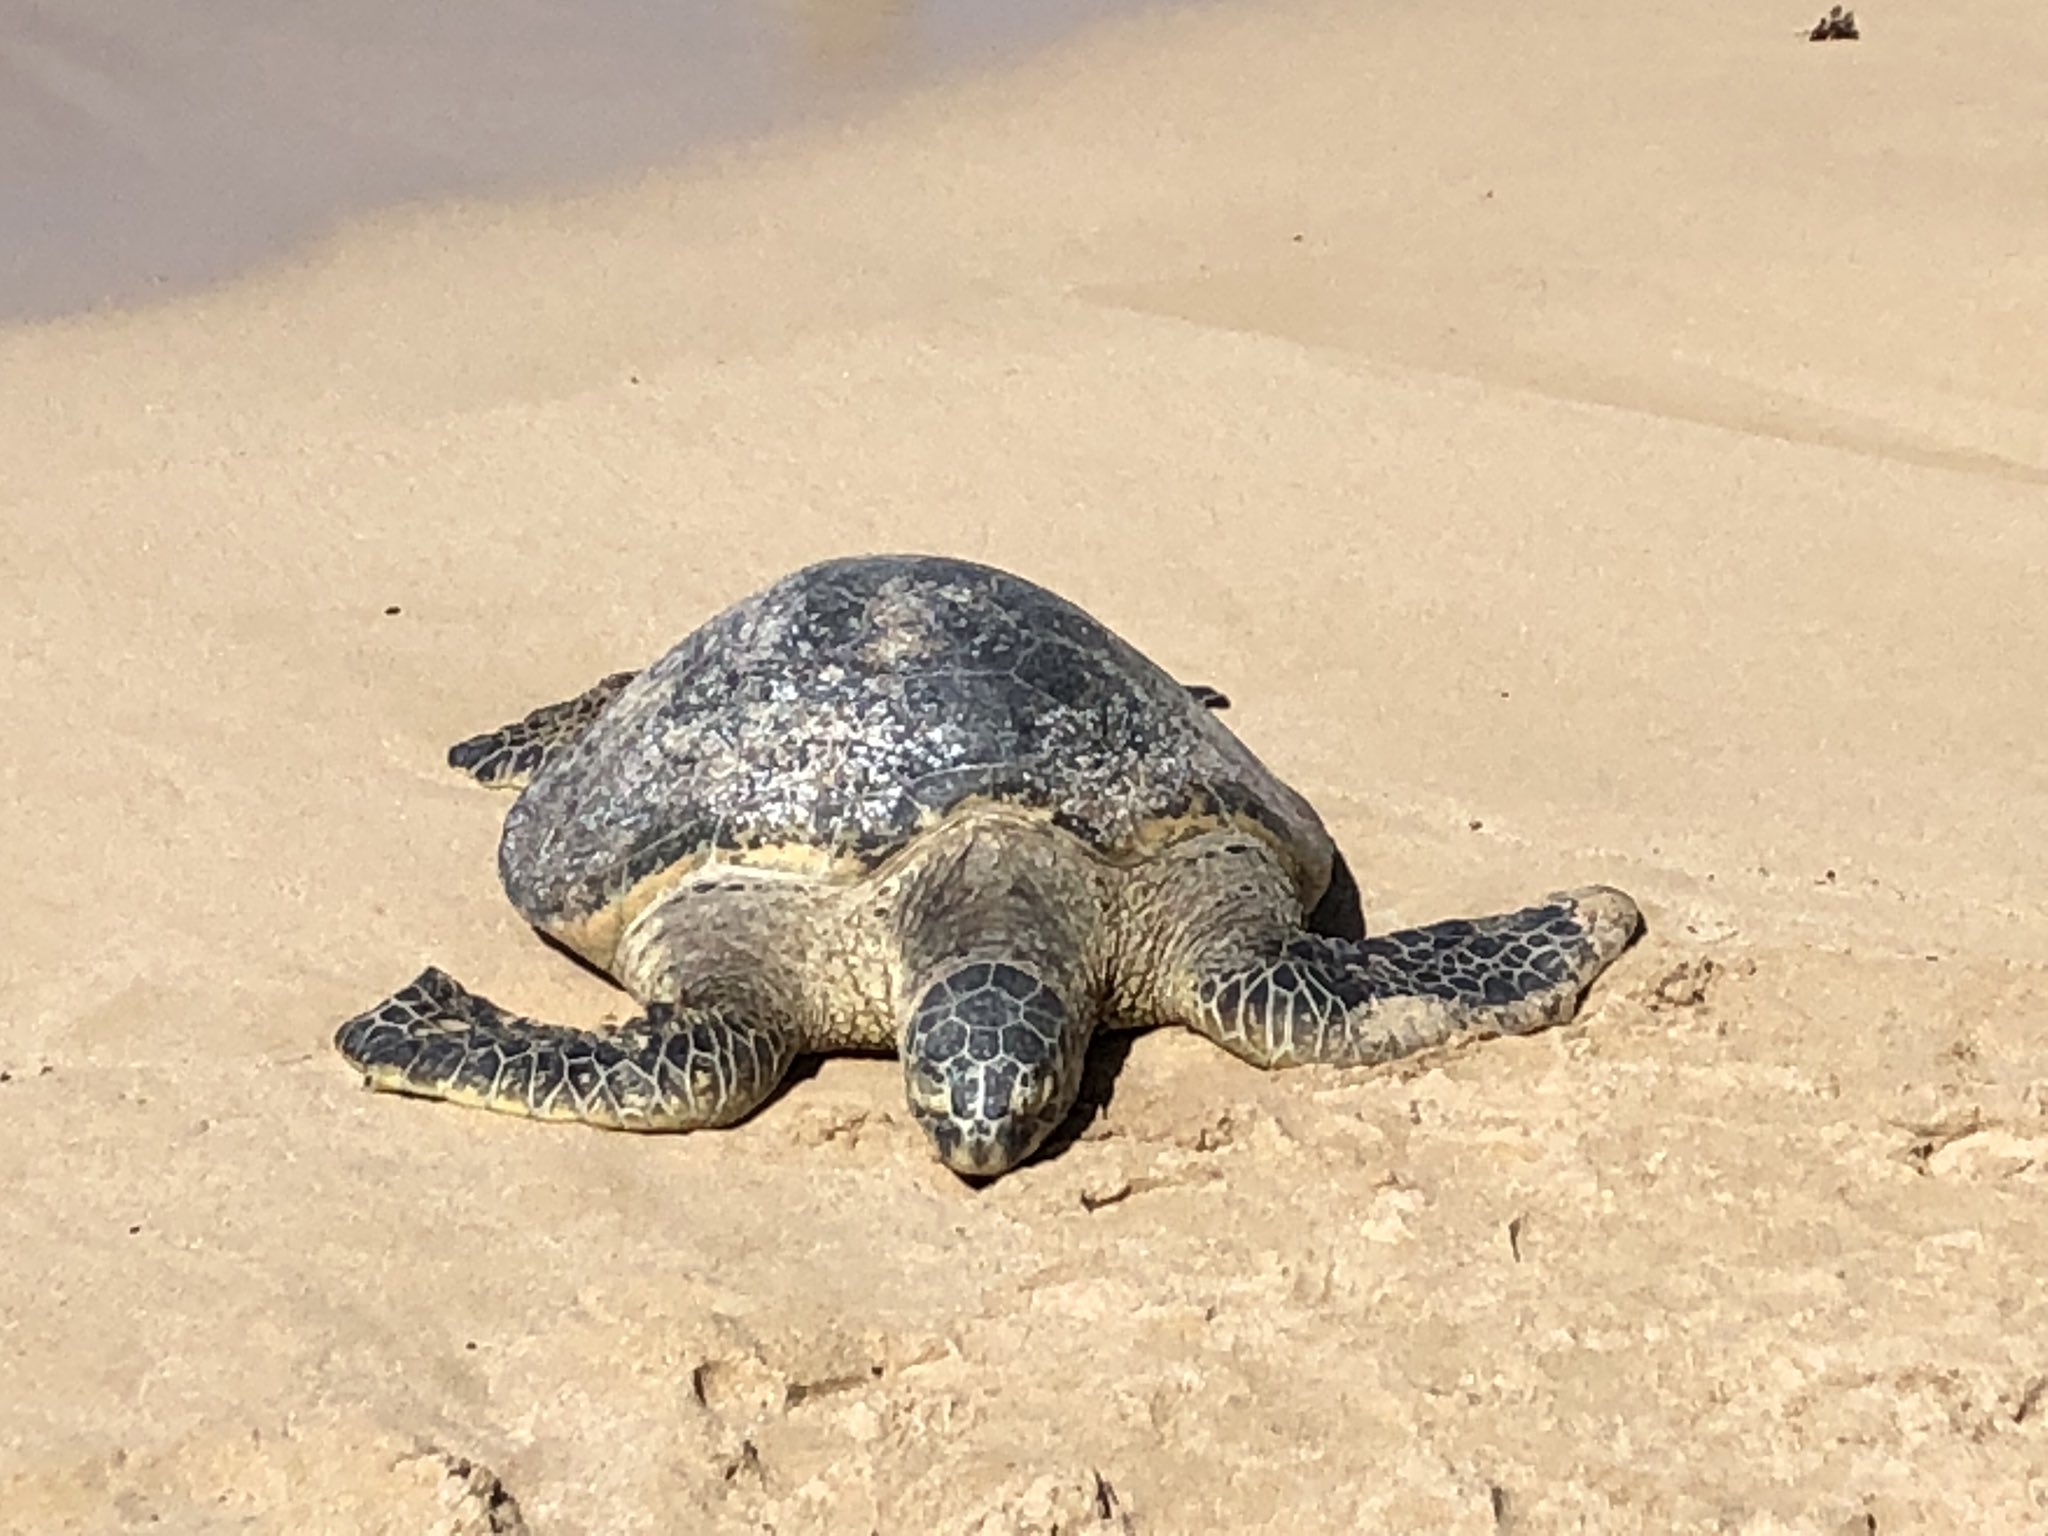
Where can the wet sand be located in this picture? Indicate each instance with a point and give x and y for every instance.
(1595, 445)
(147, 149)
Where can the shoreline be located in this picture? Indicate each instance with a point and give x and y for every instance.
(158, 158)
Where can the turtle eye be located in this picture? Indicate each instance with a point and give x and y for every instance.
(929, 1089)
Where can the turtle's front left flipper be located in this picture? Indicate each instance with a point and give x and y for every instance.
(509, 756)
(675, 1069)
(1356, 1004)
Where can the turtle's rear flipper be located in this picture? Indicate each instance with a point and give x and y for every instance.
(507, 757)
(1357, 1004)
(676, 1069)
(1207, 697)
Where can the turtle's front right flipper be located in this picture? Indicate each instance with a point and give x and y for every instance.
(678, 1068)
(509, 756)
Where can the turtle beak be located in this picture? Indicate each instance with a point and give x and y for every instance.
(981, 1150)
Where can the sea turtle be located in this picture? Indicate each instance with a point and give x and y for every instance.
(920, 805)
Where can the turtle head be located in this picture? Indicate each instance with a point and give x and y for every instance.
(991, 1062)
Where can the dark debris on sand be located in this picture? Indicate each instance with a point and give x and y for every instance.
(1838, 26)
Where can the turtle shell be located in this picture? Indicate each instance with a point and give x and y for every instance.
(819, 726)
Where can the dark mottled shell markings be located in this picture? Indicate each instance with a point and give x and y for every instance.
(820, 725)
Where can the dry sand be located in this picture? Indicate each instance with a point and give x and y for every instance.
(1588, 442)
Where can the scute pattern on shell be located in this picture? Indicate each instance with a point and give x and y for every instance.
(858, 701)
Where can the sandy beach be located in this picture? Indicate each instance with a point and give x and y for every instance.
(1587, 444)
